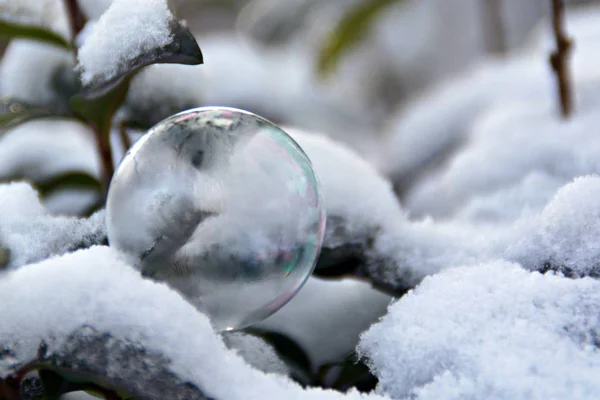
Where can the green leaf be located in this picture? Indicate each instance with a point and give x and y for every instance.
(14, 112)
(73, 179)
(348, 33)
(183, 49)
(12, 29)
(99, 110)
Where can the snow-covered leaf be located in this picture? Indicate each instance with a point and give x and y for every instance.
(153, 36)
(352, 226)
(490, 331)
(256, 351)
(31, 234)
(127, 333)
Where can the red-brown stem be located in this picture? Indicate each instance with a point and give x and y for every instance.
(106, 158)
(559, 59)
(76, 18)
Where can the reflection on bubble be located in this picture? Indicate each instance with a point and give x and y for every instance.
(225, 207)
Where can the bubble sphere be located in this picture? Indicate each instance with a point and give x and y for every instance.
(222, 205)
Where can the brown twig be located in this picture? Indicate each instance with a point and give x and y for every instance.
(76, 17)
(559, 59)
(106, 157)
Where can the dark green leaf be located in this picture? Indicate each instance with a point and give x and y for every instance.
(74, 179)
(349, 32)
(55, 385)
(99, 110)
(14, 112)
(183, 49)
(16, 30)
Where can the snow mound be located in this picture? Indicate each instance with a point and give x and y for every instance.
(99, 292)
(360, 202)
(127, 30)
(492, 331)
(31, 234)
(567, 233)
(256, 352)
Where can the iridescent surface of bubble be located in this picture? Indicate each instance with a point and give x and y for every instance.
(222, 205)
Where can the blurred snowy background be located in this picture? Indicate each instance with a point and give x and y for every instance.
(442, 154)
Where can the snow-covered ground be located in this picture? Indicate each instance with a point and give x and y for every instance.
(497, 231)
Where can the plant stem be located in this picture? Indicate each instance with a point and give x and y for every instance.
(76, 18)
(106, 157)
(559, 59)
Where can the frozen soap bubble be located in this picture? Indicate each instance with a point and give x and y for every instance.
(222, 205)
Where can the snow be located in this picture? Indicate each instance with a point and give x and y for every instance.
(127, 30)
(327, 316)
(42, 149)
(31, 234)
(99, 290)
(339, 169)
(566, 234)
(560, 235)
(36, 149)
(49, 14)
(256, 352)
(501, 153)
(27, 70)
(424, 135)
(489, 331)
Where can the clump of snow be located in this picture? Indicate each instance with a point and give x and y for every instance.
(127, 30)
(31, 234)
(28, 68)
(327, 316)
(567, 232)
(437, 122)
(424, 136)
(514, 202)
(256, 352)
(344, 175)
(97, 289)
(502, 153)
(49, 14)
(492, 331)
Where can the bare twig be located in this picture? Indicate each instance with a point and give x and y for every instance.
(559, 59)
(76, 18)
(106, 157)
(125, 140)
